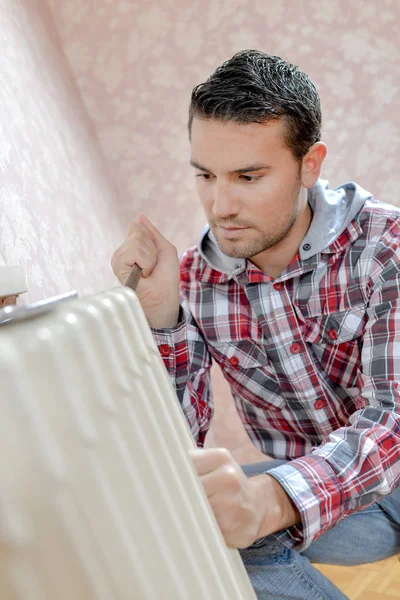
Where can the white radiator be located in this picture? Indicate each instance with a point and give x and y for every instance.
(98, 496)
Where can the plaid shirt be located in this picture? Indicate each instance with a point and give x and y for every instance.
(312, 359)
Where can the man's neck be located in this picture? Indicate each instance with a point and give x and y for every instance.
(275, 260)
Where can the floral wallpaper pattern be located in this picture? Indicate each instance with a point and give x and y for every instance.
(58, 216)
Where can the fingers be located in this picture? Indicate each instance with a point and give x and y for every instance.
(145, 246)
(233, 498)
(218, 471)
(133, 227)
(210, 459)
(145, 259)
(158, 238)
(139, 239)
(225, 480)
(139, 248)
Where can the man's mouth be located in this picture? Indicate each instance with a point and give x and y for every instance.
(231, 231)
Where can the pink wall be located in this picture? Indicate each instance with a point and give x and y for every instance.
(59, 218)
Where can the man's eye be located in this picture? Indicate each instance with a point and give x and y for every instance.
(249, 178)
(205, 176)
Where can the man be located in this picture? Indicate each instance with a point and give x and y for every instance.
(293, 290)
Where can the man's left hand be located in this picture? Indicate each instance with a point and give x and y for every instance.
(246, 509)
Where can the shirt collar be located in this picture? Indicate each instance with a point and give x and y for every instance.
(331, 228)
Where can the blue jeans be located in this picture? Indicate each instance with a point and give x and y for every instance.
(367, 536)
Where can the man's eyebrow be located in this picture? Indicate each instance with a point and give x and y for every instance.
(248, 169)
(196, 165)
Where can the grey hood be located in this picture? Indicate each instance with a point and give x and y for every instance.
(333, 211)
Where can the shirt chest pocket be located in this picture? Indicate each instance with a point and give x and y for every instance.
(238, 355)
(337, 328)
(250, 373)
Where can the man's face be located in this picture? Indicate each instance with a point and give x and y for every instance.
(248, 182)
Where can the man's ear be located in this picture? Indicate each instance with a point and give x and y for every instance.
(312, 164)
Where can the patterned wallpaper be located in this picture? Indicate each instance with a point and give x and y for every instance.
(59, 218)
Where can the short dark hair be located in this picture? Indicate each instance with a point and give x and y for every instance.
(254, 87)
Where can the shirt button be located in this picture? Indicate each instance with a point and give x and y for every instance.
(333, 334)
(165, 350)
(278, 286)
(295, 348)
(234, 361)
(306, 247)
(318, 404)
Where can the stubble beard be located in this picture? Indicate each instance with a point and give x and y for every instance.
(251, 248)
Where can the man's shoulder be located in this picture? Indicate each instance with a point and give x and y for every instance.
(379, 211)
(379, 225)
(378, 219)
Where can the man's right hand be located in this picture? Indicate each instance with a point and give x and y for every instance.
(158, 289)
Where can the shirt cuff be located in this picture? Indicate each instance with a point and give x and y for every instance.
(167, 340)
(317, 493)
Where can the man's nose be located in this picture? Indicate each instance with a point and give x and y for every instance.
(224, 203)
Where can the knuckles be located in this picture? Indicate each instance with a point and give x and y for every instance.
(229, 471)
(224, 456)
(230, 478)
